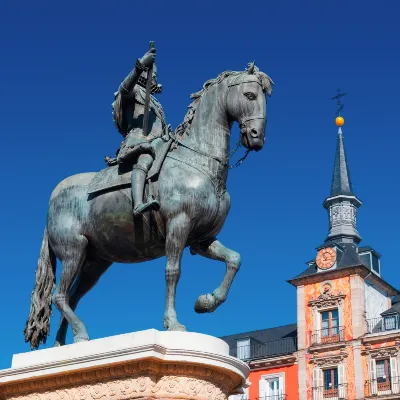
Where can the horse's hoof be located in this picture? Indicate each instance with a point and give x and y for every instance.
(80, 339)
(177, 328)
(205, 303)
(57, 344)
(174, 327)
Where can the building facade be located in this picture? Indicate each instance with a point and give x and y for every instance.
(346, 342)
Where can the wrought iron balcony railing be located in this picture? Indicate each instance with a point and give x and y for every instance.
(382, 387)
(336, 393)
(383, 324)
(258, 350)
(327, 335)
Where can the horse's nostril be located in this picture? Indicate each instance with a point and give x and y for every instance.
(254, 133)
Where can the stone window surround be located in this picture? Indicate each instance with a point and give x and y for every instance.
(326, 302)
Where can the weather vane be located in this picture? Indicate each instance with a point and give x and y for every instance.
(340, 107)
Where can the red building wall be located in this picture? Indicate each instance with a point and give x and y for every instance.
(291, 381)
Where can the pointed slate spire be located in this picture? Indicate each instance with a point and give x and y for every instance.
(341, 183)
(342, 204)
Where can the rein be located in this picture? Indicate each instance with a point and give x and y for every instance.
(242, 125)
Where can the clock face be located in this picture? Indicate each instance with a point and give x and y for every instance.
(326, 258)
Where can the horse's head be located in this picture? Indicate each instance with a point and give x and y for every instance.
(247, 105)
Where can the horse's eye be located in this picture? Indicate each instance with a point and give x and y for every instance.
(250, 96)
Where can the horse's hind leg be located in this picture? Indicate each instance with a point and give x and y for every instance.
(89, 275)
(72, 260)
(216, 251)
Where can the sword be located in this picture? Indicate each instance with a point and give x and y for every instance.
(147, 99)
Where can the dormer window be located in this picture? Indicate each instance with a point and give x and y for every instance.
(243, 349)
(371, 260)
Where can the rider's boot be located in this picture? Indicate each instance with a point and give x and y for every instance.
(139, 174)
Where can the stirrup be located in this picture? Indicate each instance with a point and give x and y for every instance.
(141, 208)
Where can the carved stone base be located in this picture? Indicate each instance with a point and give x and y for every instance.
(142, 365)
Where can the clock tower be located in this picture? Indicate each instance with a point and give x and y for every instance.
(341, 298)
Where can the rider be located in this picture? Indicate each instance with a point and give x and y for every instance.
(128, 111)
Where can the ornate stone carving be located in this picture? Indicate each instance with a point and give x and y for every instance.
(326, 300)
(130, 381)
(327, 287)
(331, 360)
(383, 352)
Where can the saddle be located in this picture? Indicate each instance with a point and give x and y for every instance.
(115, 177)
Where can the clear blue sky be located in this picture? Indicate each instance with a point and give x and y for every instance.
(60, 65)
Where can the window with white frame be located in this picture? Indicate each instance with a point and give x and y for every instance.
(329, 383)
(383, 376)
(243, 349)
(272, 387)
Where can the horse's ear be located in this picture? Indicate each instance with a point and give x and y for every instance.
(251, 68)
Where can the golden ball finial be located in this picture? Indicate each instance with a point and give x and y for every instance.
(339, 121)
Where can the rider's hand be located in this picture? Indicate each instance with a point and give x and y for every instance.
(149, 58)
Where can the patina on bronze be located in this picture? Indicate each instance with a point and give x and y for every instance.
(90, 222)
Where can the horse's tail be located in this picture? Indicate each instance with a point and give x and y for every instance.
(38, 324)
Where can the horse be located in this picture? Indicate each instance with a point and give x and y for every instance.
(89, 233)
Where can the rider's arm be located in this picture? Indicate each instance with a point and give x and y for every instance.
(130, 81)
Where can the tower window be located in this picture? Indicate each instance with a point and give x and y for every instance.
(330, 324)
(370, 260)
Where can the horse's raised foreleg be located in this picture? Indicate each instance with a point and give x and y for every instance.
(72, 260)
(89, 275)
(177, 234)
(215, 250)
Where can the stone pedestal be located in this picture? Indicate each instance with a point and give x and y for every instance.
(140, 365)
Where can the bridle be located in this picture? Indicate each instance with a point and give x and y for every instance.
(242, 125)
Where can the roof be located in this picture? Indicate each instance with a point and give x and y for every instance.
(264, 343)
(341, 182)
(264, 335)
(349, 258)
(395, 309)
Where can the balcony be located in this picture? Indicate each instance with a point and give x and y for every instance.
(337, 393)
(383, 388)
(327, 336)
(383, 324)
(257, 350)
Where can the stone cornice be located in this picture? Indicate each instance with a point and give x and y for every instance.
(127, 381)
(280, 361)
(333, 274)
(153, 344)
(148, 364)
(381, 337)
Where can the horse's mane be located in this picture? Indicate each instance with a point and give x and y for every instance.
(265, 81)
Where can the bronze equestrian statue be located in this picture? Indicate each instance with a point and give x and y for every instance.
(129, 109)
(90, 223)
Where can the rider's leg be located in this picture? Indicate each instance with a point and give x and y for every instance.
(139, 173)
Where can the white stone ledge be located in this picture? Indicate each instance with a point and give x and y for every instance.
(186, 347)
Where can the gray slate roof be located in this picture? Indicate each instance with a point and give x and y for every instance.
(341, 182)
(350, 258)
(264, 335)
